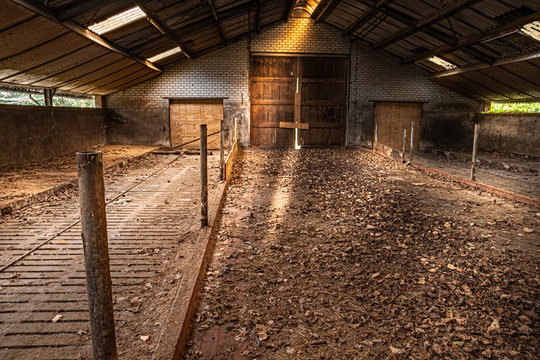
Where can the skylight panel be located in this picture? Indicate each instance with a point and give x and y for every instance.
(445, 64)
(532, 30)
(118, 20)
(165, 54)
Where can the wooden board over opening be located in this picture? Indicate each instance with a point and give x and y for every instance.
(390, 120)
(187, 114)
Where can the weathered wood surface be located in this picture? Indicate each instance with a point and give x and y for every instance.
(187, 115)
(304, 93)
(392, 118)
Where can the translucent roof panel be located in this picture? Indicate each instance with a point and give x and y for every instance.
(118, 20)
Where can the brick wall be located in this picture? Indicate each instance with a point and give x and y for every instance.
(378, 76)
(144, 111)
(300, 35)
(375, 76)
(223, 73)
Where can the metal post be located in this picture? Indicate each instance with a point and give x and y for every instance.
(96, 254)
(412, 141)
(404, 144)
(221, 167)
(204, 178)
(474, 150)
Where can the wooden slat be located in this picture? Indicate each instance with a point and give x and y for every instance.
(293, 125)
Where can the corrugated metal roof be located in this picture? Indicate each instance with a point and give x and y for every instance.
(463, 32)
(45, 42)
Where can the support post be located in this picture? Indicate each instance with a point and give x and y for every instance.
(376, 131)
(96, 254)
(221, 174)
(412, 141)
(204, 178)
(474, 151)
(235, 129)
(404, 144)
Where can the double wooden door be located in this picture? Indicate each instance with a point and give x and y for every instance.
(298, 101)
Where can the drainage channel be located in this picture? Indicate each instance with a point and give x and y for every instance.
(43, 305)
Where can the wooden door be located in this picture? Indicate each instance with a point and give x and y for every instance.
(390, 120)
(273, 81)
(186, 116)
(323, 101)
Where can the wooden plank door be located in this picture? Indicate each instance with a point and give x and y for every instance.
(273, 82)
(187, 115)
(323, 90)
(392, 117)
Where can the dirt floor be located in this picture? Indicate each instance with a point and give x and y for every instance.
(342, 254)
(22, 181)
(153, 218)
(519, 174)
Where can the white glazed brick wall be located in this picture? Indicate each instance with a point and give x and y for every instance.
(223, 73)
(300, 35)
(375, 75)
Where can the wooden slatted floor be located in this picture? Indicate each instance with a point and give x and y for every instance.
(42, 275)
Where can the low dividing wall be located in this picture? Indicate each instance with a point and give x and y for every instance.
(515, 133)
(35, 133)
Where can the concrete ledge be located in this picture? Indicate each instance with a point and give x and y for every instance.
(488, 188)
(175, 333)
(33, 199)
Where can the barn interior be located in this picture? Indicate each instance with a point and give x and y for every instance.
(357, 191)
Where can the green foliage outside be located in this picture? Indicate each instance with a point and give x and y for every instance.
(20, 98)
(528, 107)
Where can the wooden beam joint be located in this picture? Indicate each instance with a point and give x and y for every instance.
(161, 27)
(47, 13)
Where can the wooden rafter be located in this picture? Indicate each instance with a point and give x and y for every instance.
(326, 11)
(420, 24)
(162, 28)
(81, 8)
(44, 11)
(209, 22)
(258, 16)
(366, 17)
(216, 21)
(480, 36)
(434, 33)
(505, 61)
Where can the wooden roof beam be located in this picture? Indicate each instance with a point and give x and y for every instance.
(216, 21)
(434, 33)
(208, 22)
(44, 11)
(366, 16)
(80, 9)
(258, 16)
(504, 61)
(420, 24)
(162, 28)
(325, 11)
(480, 36)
